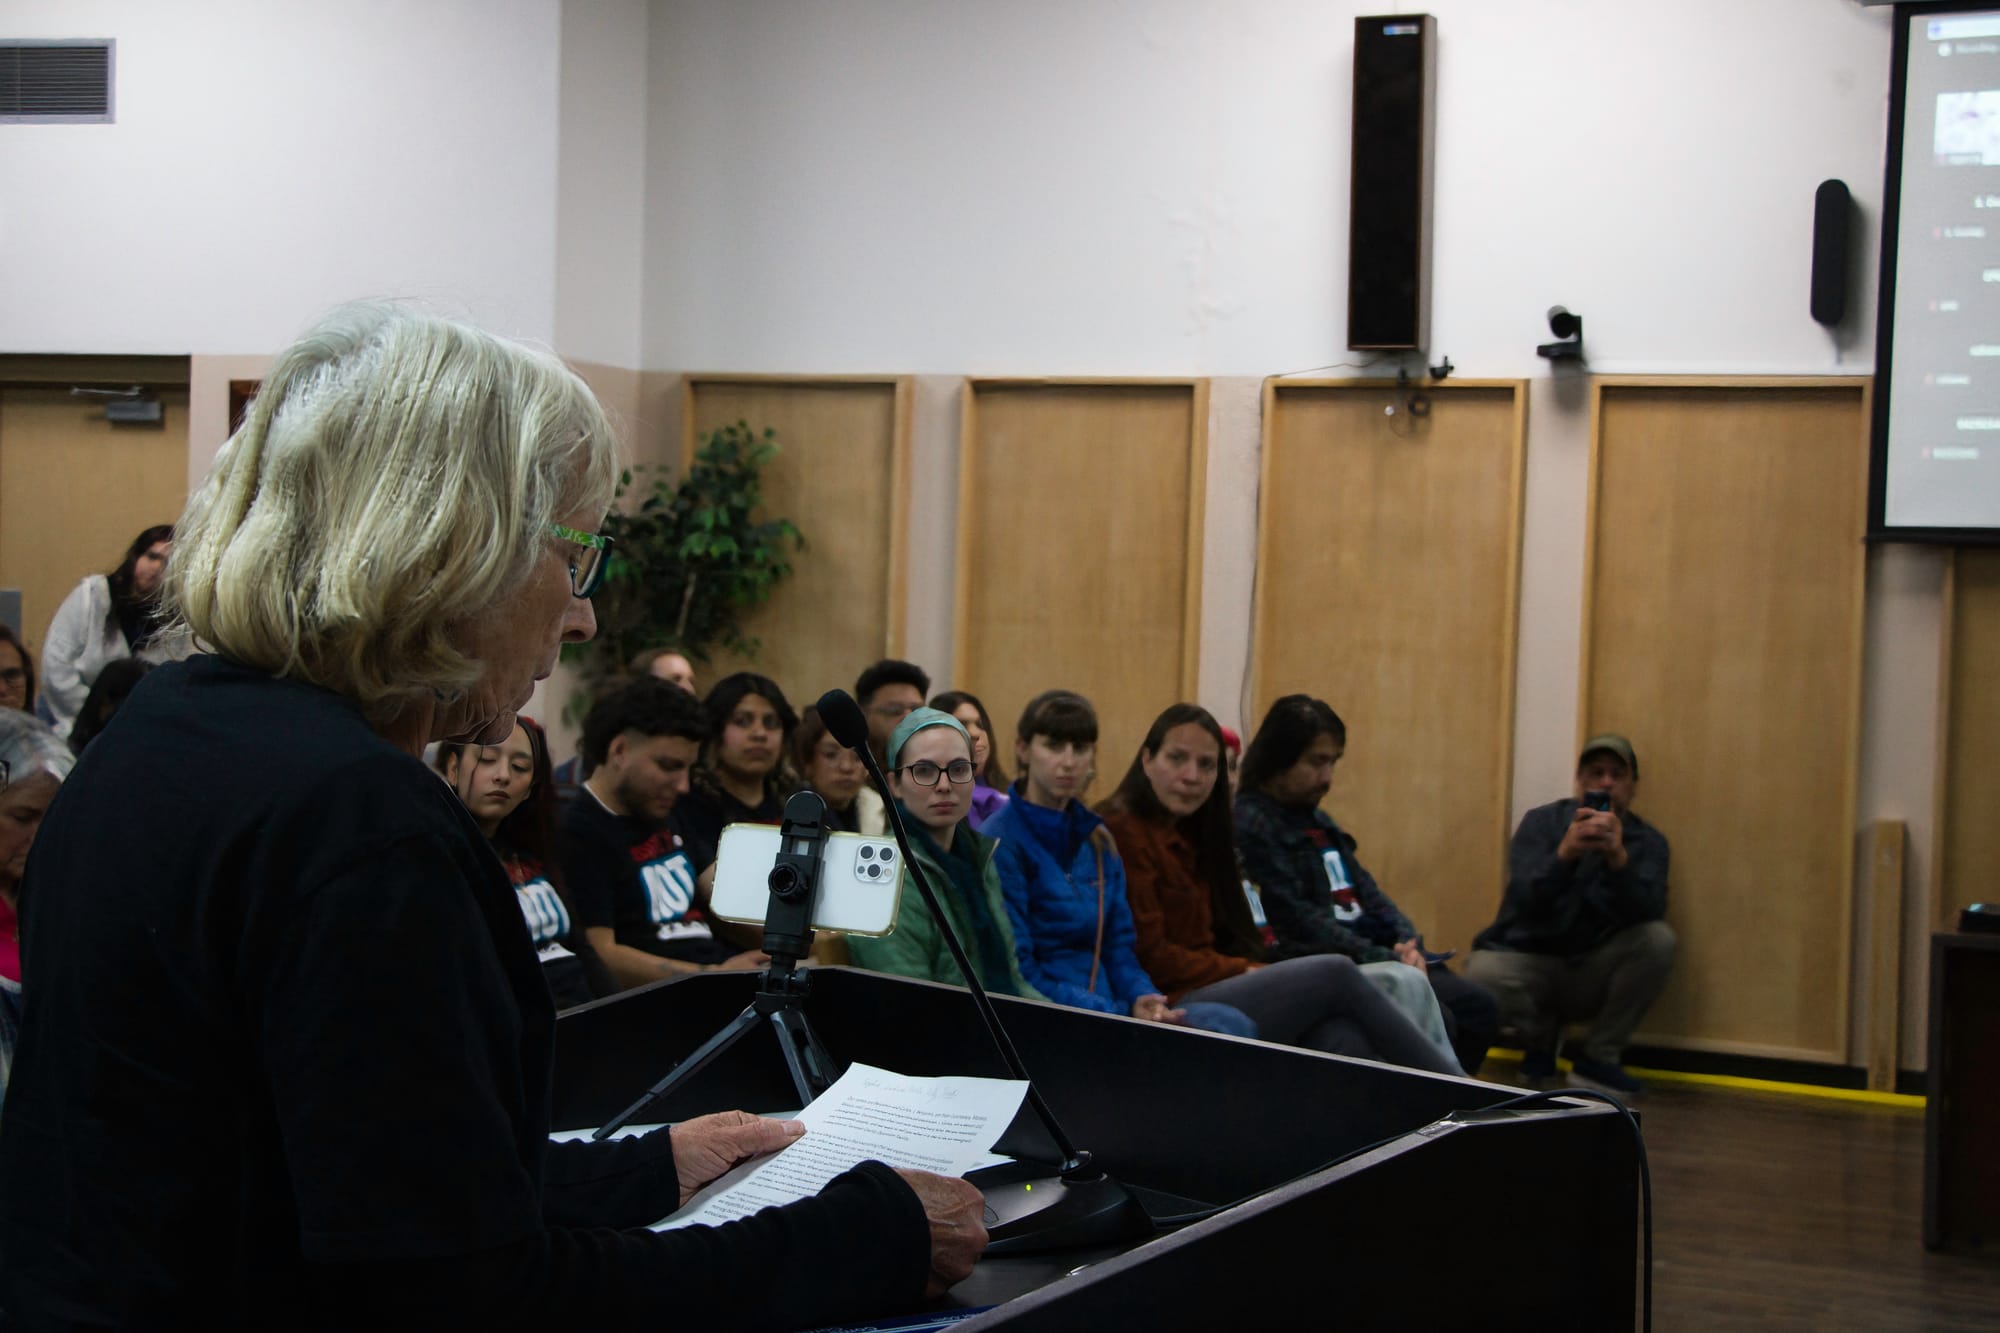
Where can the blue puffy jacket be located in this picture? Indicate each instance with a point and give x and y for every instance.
(1055, 911)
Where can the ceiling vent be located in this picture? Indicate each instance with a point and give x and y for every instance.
(56, 82)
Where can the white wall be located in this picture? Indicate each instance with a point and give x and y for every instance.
(274, 157)
(600, 181)
(1081, 186)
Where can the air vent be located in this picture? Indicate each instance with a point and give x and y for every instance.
(56, 83)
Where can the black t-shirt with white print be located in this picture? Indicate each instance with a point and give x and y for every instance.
(631, 874)
(549, 928)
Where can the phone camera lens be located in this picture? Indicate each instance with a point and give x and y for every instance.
(867, 853)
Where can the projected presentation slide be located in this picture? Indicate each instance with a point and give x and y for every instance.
(1943, 460)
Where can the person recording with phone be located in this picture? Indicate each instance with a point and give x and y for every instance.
(931, 776)
(1581, 934)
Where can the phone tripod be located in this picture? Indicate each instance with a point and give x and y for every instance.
(780, 999)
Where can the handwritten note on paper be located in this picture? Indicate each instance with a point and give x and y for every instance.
(943, 1125)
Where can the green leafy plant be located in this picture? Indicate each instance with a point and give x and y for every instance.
(692, 558)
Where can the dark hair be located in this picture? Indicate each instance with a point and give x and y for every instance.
(1061, 715)
(890, 671)
(115, 682)
(120, 578)
(530, 827)
(807, 736)
(1294, 722)
(1211, 829)
(721, 705)
(950, 702)
(8, 636)
(649, 706)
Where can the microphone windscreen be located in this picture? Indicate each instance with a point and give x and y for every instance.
(843, 719)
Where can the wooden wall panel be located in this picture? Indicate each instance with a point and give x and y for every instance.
(1723, 634)
(76, 489)
(1387, 577)
(1968, 863)
(842, 475)
(1079, 552)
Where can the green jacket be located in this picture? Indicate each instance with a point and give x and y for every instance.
(916, 948)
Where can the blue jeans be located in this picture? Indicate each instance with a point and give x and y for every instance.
(1211, 1017)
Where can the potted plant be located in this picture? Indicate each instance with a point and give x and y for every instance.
(691, 559)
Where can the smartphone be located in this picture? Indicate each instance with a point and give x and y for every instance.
(860, 879)
(1597, 800)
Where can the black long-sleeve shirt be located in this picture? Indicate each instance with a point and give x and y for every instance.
(285, 1063)
(1568, 908)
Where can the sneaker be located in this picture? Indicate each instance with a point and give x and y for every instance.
(1605, 1076)
(1538, 1068)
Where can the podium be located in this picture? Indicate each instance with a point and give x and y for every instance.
(1518, 1218)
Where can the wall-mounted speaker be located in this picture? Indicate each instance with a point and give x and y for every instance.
(1833, 207)
(1389, 190)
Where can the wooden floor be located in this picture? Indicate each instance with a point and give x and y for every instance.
(1787, 1212)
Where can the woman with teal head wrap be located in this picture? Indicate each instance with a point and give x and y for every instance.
(929, 767)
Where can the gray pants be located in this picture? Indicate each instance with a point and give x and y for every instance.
(1324, 1004)
(1612, 986)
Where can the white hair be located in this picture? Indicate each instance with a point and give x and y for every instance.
(29, 748)
(395, 477)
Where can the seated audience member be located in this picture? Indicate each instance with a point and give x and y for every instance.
(17, 673)
(740, 778)
(105, 617)
(887, 693)
(506, 790)
(660, 663)
(115, 682)
(668, 664)
(1063, 881)
(930, 773)
(1580, 935)
(33, 764)
(838, 775)
(1195, 938)
(1318, 896)
(633, 889)
(989, 780)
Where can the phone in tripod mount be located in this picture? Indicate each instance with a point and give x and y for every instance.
(860, 879)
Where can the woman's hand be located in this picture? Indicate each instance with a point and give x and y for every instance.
(1153, 1009)
(709, 1145)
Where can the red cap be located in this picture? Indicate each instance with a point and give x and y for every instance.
(1233, 741)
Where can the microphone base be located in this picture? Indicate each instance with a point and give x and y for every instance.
(1032, 1209)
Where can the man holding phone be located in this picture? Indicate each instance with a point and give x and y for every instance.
(1581, 934)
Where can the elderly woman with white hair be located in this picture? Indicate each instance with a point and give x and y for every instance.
(33, 763)
(293, 1069)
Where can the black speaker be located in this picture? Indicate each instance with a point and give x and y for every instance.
(1832, 207)
(1389, 189)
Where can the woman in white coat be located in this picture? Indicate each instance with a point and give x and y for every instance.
(107, 616)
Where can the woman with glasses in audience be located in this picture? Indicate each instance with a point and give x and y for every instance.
(106, 617)
(1065, 884)
(509, 790)
(741, 776)
(33, 764)
(17, 673)
(292, 1064)
(989, 780)
(837, 774)
(1171, 816)
(930, 774)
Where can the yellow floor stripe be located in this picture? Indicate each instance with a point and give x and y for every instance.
(1900, 1100)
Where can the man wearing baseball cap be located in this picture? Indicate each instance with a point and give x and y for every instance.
(1581, 935)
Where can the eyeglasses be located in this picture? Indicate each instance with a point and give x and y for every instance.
(587, 566)
(925, 774)
(894, 711)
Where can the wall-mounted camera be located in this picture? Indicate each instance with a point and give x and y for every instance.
(1568, 329)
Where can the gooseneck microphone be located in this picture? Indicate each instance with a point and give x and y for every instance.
(1081, 1205)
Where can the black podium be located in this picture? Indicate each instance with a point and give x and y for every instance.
(1523, 1218)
